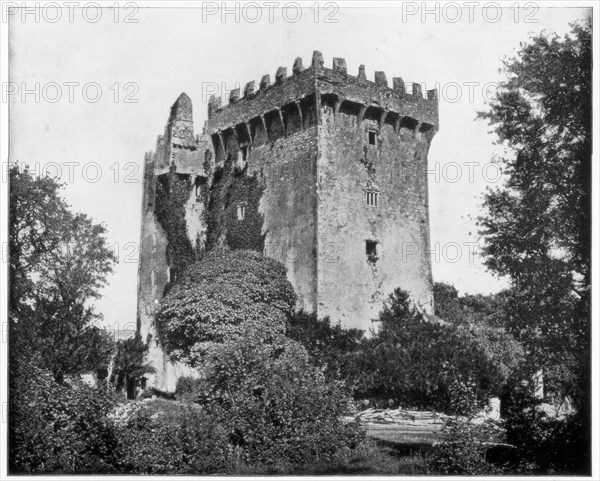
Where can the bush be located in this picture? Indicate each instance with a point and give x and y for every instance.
(415, 361)
(59, 427)
(215, 297)
(278, 407)
(545, 445)
(331, 347)
(464, 447)
(169, 437)
(187, 388)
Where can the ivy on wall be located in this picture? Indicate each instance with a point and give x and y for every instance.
(172, 193)
(229, 190)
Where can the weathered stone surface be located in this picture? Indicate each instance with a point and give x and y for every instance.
(361, 73)
(281, 74)
(398, 85)
(265, 82)
(339, 65)
(298, 67)
(301, 156)
(317, 60)
(381, 79)
(250, 88)
(416, 90)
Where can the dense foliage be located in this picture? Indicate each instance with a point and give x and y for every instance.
(172, 194)
(464, 445)
(414, 362)
(129, 363)
(58, 427)
(174, 438)
(476, 310)
(330, 346)
(58, 262)
(544, 444)
(278, 405)
(216, 296)
(537, 227)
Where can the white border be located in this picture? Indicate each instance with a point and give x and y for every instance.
(4, 157)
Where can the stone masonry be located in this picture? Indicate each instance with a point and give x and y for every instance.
(321, 170)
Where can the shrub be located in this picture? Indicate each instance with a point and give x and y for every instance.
(331, 347)
(464, 445)
(169, 437)
(187, 388)
(59, 427)
(545, 445)
(214, 297)
(278, 407)
(415, 361)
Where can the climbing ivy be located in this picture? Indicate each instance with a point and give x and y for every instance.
(172, 193)
(229, 190)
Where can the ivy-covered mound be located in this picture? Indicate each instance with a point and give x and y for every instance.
(227, 315)
(214, 298)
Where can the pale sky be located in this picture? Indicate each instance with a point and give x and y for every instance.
(174, 49)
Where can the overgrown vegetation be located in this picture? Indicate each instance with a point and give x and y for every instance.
(273, 386)
(172, 193)
(537, 225)
(229, 190)
(215, 297)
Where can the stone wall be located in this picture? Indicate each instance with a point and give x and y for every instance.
(352, 285)
(294, 168)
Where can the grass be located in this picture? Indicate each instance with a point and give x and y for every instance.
(372, 457)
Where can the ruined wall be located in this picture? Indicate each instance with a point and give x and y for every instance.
(173, 231)
(352, 286)
(276, 183)
(287, 169)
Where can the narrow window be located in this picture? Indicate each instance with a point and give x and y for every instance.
(371, 250)
(372, 198)
(241, 211)
(372, 137)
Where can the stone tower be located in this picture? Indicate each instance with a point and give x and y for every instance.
(321, 170)
(173, 231)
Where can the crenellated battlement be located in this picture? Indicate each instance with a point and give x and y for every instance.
(329, 85)
(321, 170)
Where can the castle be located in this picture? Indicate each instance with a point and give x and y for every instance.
(323, 171)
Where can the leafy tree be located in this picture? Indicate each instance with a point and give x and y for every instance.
(58, 262)
(56, 427)
(331, 347)
(470, 309)
(538, 231)
(415, 362)
(129, 362)
(537, 227)
(215, 297)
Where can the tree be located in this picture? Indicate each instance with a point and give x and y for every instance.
(216, 296)
(415, 362)
(537, 225)
(470, 309)
(330, 345)
(537, 228)
(129, 364)
(58, 262)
